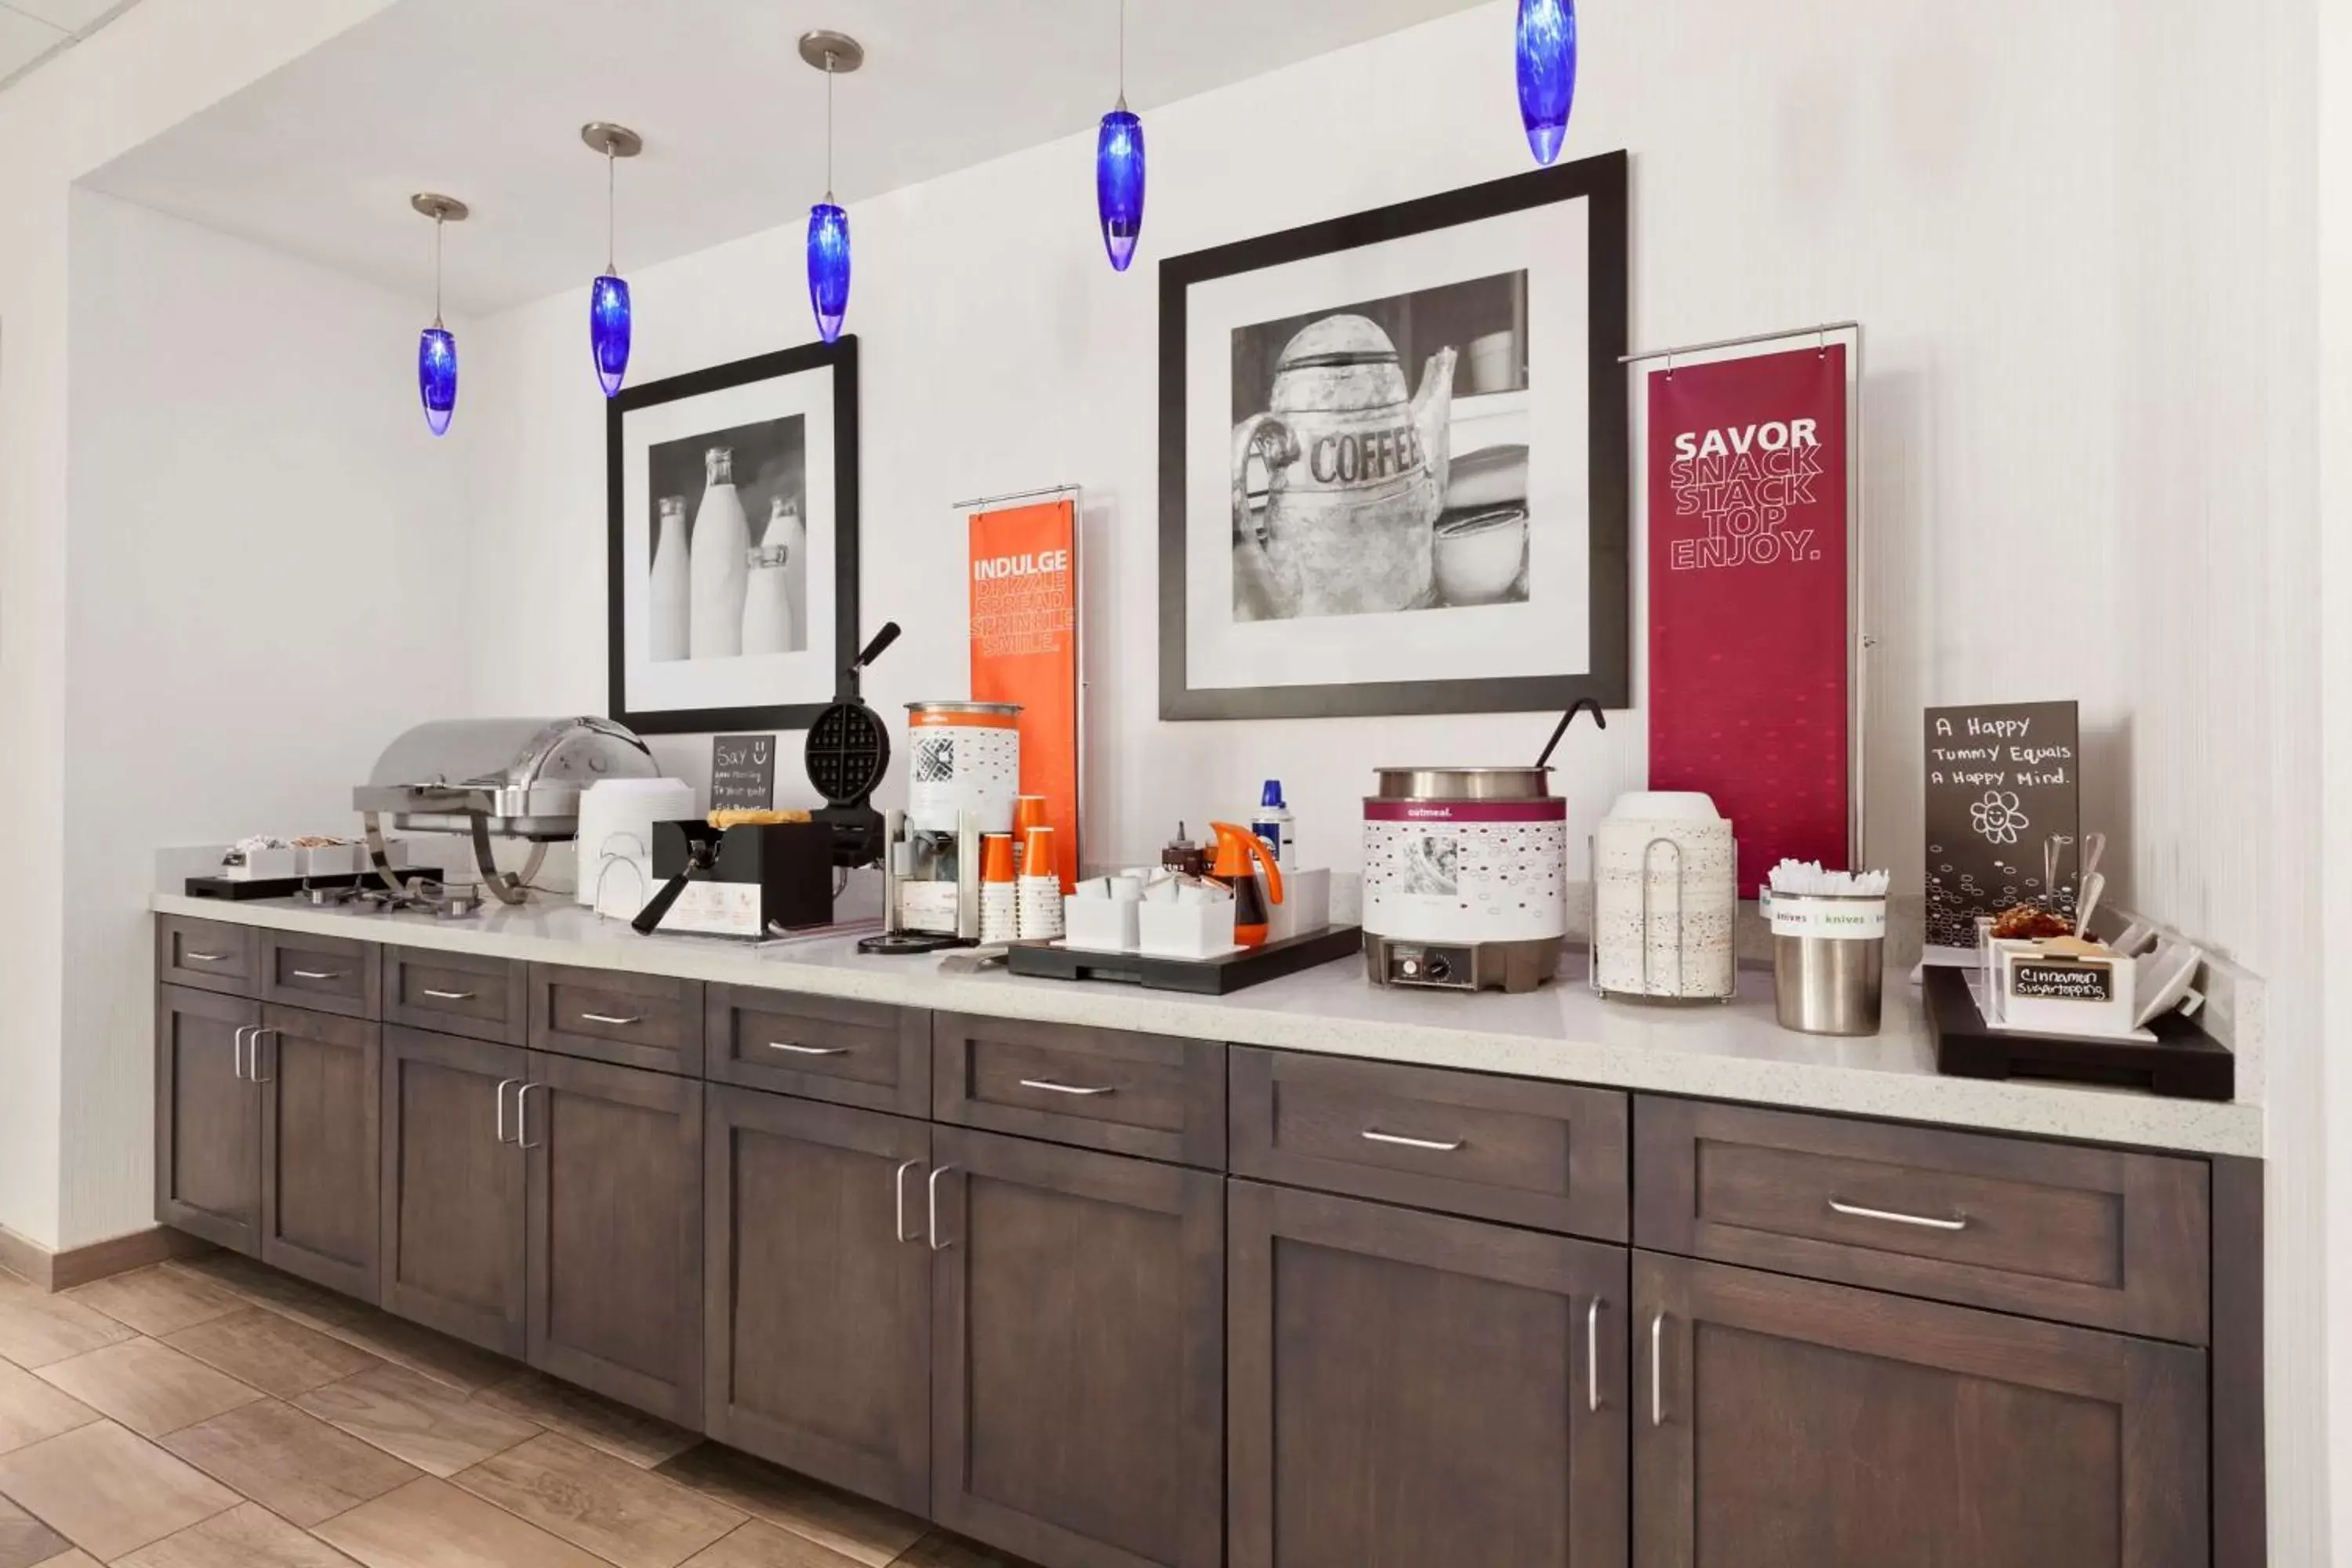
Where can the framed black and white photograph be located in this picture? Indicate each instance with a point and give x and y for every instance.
(1394, 475)
(732, 553)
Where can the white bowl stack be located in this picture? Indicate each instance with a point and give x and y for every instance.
(1690, 958)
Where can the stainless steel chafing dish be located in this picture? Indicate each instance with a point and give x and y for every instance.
(495, 778)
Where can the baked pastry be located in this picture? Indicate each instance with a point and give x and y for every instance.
(748, 816)
(2029, 923)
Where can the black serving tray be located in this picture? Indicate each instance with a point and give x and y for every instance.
(1203, 976)
(2184, 1063)
(235, 891)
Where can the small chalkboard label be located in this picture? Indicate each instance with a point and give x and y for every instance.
(742, 773)
(2063, 982)
(2003, 806)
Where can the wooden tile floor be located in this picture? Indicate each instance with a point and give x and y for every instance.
(216, 1414)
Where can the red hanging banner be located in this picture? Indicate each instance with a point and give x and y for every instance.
(1750, 633)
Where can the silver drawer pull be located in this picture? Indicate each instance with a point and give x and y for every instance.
(808, 1050)
(318, 974)
(1592, 1355)
(1050, 1087)
(1857, 1212)
(608, 1018)
(449, 995)
(1657, 1371)
(194, 957)
(1375, 1135)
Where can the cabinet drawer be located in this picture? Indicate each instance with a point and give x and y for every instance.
(2096, 1236)
(633, 1020)
(1547, 1155)
(324, 973)
(211, 955)
(1102, 1088)
(456, 993)
(819, 1047)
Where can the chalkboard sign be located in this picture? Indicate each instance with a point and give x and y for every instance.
(742, 772)
(2004, 795)
(2064, 982)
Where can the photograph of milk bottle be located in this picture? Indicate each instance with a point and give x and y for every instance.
(729, 572)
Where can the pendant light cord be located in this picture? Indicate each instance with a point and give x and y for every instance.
(1122, 54)
(828, 127)
(437, 222)
(610, 268)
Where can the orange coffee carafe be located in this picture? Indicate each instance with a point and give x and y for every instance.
(1236, 848)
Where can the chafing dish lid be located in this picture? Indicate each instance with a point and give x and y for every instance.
(506, 753)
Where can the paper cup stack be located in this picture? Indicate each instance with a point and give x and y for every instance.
(1642, 842)
(999, 904)
(1040, 899)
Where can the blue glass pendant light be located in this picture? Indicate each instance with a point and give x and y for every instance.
(1118, 169)
(436, 347)
(608, 296)
(828, 230)
(1546, 40)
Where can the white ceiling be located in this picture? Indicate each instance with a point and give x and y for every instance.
(483, 99)
(33, 30)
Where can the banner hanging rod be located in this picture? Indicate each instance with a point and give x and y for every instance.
(1012, 495)
(1821, 331)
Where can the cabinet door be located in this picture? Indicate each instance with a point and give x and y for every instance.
(321, 1082)
(1785, 1424)
(1410, 1389)
(453, 1187)
(1077, 1353)
(616, 1231)
(817, 1290)
(207, 1119)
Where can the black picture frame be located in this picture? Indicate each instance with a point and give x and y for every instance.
(1601, 181)
(839, 356)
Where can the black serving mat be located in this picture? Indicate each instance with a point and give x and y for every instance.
(240, 891)
(2184, 1062)
(1202, 977)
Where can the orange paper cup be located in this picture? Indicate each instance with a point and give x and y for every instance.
(996, 857)
(1037, 853)
(1028, 812)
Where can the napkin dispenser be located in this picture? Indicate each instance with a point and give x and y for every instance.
(743, 881)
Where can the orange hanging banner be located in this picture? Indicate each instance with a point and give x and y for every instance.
(1025, 650)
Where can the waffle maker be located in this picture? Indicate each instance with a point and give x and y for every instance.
(847, 752)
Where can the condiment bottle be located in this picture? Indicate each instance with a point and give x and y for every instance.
(1183, 857)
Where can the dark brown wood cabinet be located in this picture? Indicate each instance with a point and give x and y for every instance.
(1077, 1353)
(322, 973)
(649, 1021)
(456, 993)
(320, 1078)
(1783, 1423)
(453, 1187)
(613, 1233)
(817, 1290)
(819, 1047)
(208, 1117)
(1153, 1095)
(1407, 1389)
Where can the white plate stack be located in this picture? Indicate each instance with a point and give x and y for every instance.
(1678, 846)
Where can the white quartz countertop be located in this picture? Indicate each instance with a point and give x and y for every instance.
(1733, 1051)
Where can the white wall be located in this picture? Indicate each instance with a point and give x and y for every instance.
(1986, 198)
(263, 567)
(151, 68)
(2080, 238)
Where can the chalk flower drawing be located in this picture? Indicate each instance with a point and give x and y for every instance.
(1996, 817)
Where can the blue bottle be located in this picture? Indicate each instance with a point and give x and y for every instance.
(1274, 824)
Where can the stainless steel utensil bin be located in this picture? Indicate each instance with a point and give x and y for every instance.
(1828, 961)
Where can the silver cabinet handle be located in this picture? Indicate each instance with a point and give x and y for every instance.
(522, 1118)
(617, 1023)
(808, 1050)
(192, 957)
(1050, 1087)
(1657, 1374)
(932, 1186)
(1592, 1355)
(899, 1186)
(504, 1084)
(236, 1049)
(253, 1056)
(449, 995)
(1858, 1212)
(318, 974)
(1374, 1134)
